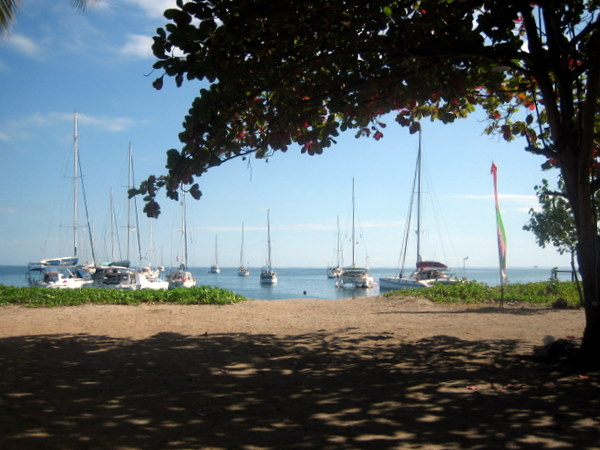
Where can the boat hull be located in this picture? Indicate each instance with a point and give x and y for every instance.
(397, 282)
(268, 277)
(400, 283)
(181, 279)
(357, 277)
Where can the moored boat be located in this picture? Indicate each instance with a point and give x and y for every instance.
(243, 270)
(354, 275)
(427, 273)
(181, 277)
(267, 274)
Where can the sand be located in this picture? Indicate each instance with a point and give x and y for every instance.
(355, 373)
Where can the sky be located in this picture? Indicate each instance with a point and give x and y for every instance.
(55, 62)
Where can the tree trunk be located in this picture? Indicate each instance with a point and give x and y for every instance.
(588, 258)
(576, 174)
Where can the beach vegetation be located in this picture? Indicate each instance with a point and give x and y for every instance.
(552, 293)
(43, 297)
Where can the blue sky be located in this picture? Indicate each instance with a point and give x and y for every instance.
(55, 62)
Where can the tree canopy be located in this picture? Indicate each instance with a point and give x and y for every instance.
(303, 71)
(553, 224)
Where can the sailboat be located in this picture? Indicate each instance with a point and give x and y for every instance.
(427, 273)
(243, 270)
(64, 272)
(268, 275)
(119, 274)
(354, 275)
(147, 277)
(214, 268)
(336, 271)
(181, 277)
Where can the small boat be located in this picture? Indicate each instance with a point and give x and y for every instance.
(64, 272)
(267, 274)
(181, 277)
(243, 270)
(214, 268)
(355, 276)
(59, 276)
(146, 276)
(116, 277)
(427, 273)
(151, 278)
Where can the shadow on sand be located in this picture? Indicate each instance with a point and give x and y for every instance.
(307, 391)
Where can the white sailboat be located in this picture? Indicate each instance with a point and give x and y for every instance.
(336, 271)
(354, 275)
(243, 270)
(427, 273)
(268, 275)
(119, 274)
(146, 276)
(214, 268)
(64, 272)
(181, 277)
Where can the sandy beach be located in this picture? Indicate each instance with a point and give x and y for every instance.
(353, 373)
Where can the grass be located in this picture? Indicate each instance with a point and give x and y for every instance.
(43, 297)
(544, 293)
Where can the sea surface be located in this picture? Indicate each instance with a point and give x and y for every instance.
(313, 283)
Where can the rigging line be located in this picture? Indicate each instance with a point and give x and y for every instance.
(408, 224)
(135, 211)
(87, 214)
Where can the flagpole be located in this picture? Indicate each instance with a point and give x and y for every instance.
(501, 235)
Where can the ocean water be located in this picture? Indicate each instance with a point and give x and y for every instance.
(313, 283)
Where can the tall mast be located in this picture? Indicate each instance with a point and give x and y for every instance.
(339, 262)
(419, 201)
(130, 227)
(184, 227)
(216, 250)
(75, 178)
(268, 240)
(128, 199)
(353, 238)
(242, 249)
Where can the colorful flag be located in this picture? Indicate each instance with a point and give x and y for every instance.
(499, 229)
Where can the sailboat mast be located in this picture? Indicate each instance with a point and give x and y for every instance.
(339, 262)
(242, 248)
(353, 237)
(268, 240)
(419, 201)
(184, 227)
(216, 250)
(130, 228)
(128, 199)
(75, 178)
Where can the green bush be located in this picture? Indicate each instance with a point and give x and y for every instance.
(35, 297)
(544, 293)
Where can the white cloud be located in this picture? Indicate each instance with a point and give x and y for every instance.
(23, 44)
(138, 45)
(154, 8)
(104, 123)
(20, 128)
